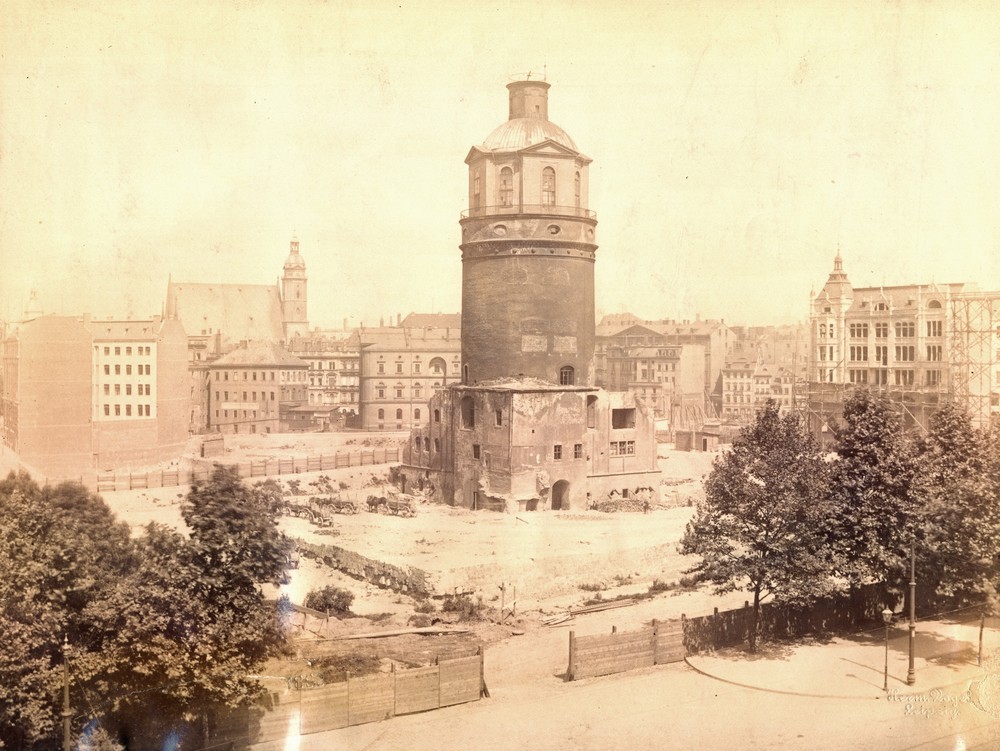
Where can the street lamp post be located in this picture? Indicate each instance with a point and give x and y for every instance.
(910, 677)
(887, 617)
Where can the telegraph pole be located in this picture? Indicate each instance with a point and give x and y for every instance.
(66, 713)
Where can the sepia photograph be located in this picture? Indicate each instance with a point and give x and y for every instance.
(558, 375)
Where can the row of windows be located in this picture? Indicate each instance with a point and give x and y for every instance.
(332, 365)
(437, 367)
(904, 353)
(557, 451)
(139, 370)
(904, 329)
(251, 375)
(141, 410)
(622, 448)
(418, 392)
(505, 188)
(236, 413)
(399, 414)
(140, 389)
(901, 377)
(128, 350)
(253, 396)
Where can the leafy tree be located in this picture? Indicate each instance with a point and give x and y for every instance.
(60, 553)
(959, 525)
(760, 527)
(330, 599)
(872, 489)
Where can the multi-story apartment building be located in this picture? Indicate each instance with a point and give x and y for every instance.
(81, 395)
(258, 388)
(334, 360)
(402, 366)
(897, 339)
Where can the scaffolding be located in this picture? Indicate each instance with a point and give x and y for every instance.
(974, 334)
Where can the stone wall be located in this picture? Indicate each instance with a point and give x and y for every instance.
(405, 579)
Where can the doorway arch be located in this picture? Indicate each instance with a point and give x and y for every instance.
(560, 495)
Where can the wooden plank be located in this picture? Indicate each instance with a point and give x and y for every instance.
(417, 690)
(325, 708)
(601, 640)
(370, 699)
(615, 649)
(279, 723)
(461, 680)
(608, 667)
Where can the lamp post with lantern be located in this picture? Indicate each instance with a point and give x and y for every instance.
(887, 618)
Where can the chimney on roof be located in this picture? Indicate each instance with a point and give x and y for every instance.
(399, 318)
(345, 324)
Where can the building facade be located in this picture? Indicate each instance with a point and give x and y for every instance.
(403, 366)
(334, 359)
(902, 340)
(219, 317)
(257, 388)
(83, 395)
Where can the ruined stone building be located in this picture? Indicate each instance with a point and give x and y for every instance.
(526, 426)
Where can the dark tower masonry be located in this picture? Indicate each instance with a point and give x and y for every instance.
(528, 251)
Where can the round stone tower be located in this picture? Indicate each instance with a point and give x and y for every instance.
(528, 249)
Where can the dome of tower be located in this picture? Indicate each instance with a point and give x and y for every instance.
(294, 260)
(520, 132)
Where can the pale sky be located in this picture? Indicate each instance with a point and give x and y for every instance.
(736, 146)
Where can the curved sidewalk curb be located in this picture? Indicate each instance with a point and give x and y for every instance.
(880, 697)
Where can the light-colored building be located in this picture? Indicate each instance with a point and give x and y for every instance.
(219, 317)
(258, 388)
(83, 395)
(902, 340)
(334, 358)
(403, 366)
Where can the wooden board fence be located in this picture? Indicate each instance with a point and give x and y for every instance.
(356, 701)
(106, 483)
(604, 654)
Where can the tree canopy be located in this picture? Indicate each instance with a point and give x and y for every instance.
(160, 627)
(760, 527)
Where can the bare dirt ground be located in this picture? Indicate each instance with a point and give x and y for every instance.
(549, 562)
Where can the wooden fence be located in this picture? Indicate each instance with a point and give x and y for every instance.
(355, 701)
(247, 470)
(604, 654)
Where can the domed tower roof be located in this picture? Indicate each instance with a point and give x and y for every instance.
(294, 260)
(528, 120)
(520, 132)
(838, 286)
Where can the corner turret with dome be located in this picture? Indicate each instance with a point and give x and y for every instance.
(528, 250)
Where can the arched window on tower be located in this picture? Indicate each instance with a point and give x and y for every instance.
(506, 187)
(548, 187)
(576, 189)
(475, 192)
(567, 376)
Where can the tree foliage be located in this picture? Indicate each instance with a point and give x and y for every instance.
(760, 527)
(872, 481)
(958, 516)
(160, 627)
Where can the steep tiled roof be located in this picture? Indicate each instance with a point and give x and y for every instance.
(432, 320)
(259, 353)
(242, 312)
